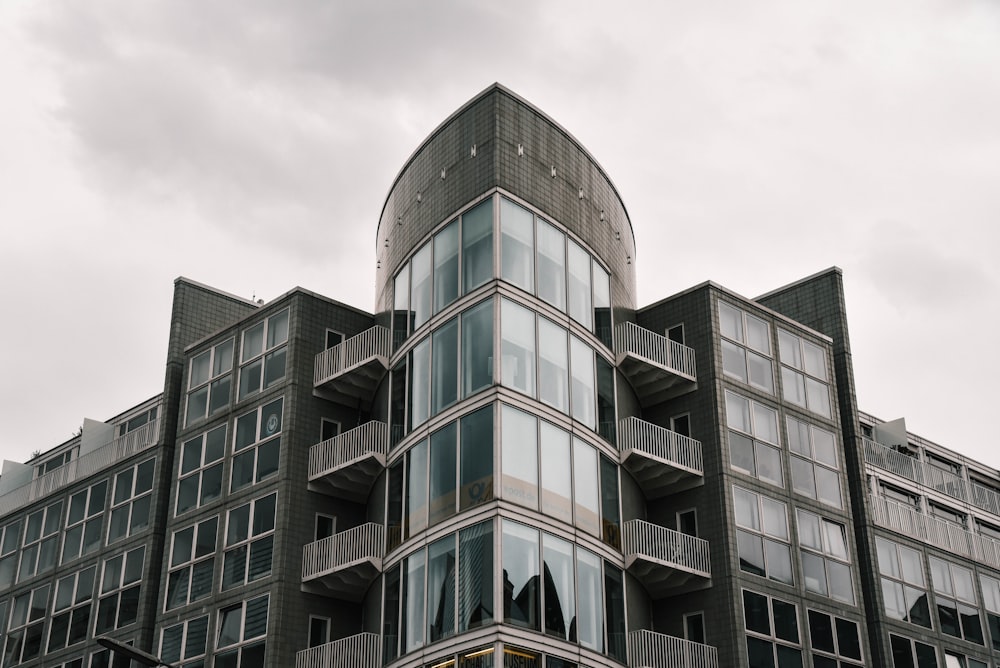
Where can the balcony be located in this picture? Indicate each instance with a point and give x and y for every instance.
(660, 460)
(357, 651)
(346, 465)
(657, 367)
(918, 471)
(344, 564)
(349, 372)
(648, 649)
(664, 560)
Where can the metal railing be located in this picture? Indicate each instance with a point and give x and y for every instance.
(659, 443)
(373, 342)
(371, 438)
(667, 546)
(984, 497)
(117, 450)
(913, 469)
(638, 341)
(909, 521)
(648, 649)
(343, 549)
(357, 651)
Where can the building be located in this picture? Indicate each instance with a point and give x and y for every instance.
(508, 463)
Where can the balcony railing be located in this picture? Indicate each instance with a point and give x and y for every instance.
(357, 651)
(984, 497)
(657, 367)
(648, 649)
(350, 370)
(87, 464)
(345, 563)
(665, 560)
(662, 461)
(913, 469)
(347, 464)
(907, 520)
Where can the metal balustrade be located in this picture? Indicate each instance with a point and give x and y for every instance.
(645, 540)
(918, 471)
(640, 342)
(119, 449)
(984, 497)
(364, 543)
(351, 369)
(357, 651)
(349, 463)
(905, 519)
(661, 444)
(648, 649)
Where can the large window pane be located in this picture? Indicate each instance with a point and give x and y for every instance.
(420, 362)
(610, 517)
(446, 266)
(444, 376)
(552, 265)
(557, 482)
(519, 457)
(416, 491)
(441, 589)
(477, 458)
(553, 365)
(614, 606)
(590, 623)
(401, 306)
(475, 588)
(413, 604)
(605, 399)
(516, 245)
(477, 246)
(560, 598)
(521, 575)
(587, 486)
(442, 473)
(420, 286)
(582, 366)
(602, 303)
(517, 347)
(580, 308)
(477, 348)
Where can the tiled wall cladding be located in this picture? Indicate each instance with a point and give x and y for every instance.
(497, 123)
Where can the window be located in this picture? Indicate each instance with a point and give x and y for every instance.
(84, 521)
(955, 660)
(687, 522)
(333, 339)
(955, 595)
(41, 542)
(772, 632)
(209, 382)
(746, 348)
(249, 542)
(192, 564)
(27, 621)
(754, 446)
(676, 333)
(814, 462)
(763, 538)
(183, 644)
(120, 586)
(71, 609)
(319, 630)
(10, 537)
(241, 629)
(835, 641)
(142, 419)
(257, 445)
(326, 526)
(804, 375)
(694, 627)
(130, 503)
(681, 424)
(328, 429)
(50, 465)
(262, 354)
(826, 566)
(991, 601)
(904, 587)
(200, 475)
(907, 653)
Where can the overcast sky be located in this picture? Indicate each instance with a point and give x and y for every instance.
(235, 141)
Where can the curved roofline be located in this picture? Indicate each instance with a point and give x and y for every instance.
(497, 86)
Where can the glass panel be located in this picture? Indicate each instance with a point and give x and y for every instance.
(734, 361)
(755, 613)
(553, 365)
(738, 413)
(786, 625)
(591, 605)
(814, 570)
(802, 477)
(824, 447)
(475, 589)
(814, 358)
(390, 624)
(477, 348)
(444, 375)
(731, 322)
(477, 458)
(757, 335)
(586, 486)
(413, 603)
(747, 511)
(847, 639)
(552, 265)
(614, 599)
(582, 367)
(605, 399)
(818, 397)
(602, 303)
(751, 551)
(760, 372)
(793, 387)
(420, 361)
(741, 453)
(516, 245)
(253, 342)
(521, 575)
(519, 457)
(416, 489)
(775, 518)
(769, 464)
(446, 266)
(765, 423)
(477, 245)
(441, 589)
(443, 459)
(828, 486)
(517, 347)
(560, 600)
(760, 653)
(779, 561)
(400, 306)
(420, 287)
(557, 476)
(580, 308)
(610, 528)
(821, 631)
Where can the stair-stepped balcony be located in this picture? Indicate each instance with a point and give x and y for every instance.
(349, 372)
(648, 649)
(657, 367)
(661, 461)
(920, 472)
(344, 564)
(357, 651)
(347, 465)
(664, 560)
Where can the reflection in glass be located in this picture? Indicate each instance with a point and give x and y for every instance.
(413, 603)
(605, 399)
(552, 265)
(520, 575)
(557, 483)
(517, 347)
(610, 517)
(416, 489)
(580, 306)
(516, 245)
(441, 589)
(589, 620)
(582, 366)
(587, 487)
(560, 600)
(519, 457)
(420, 286)
(477, 458)
(442, 473)
(553, 365)
(420, 362)
(477, 246)
(614, 588)
(446, 266)
(477, 348)
(602, 304)
(444, 376)
(475, 576)
(401, 306)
